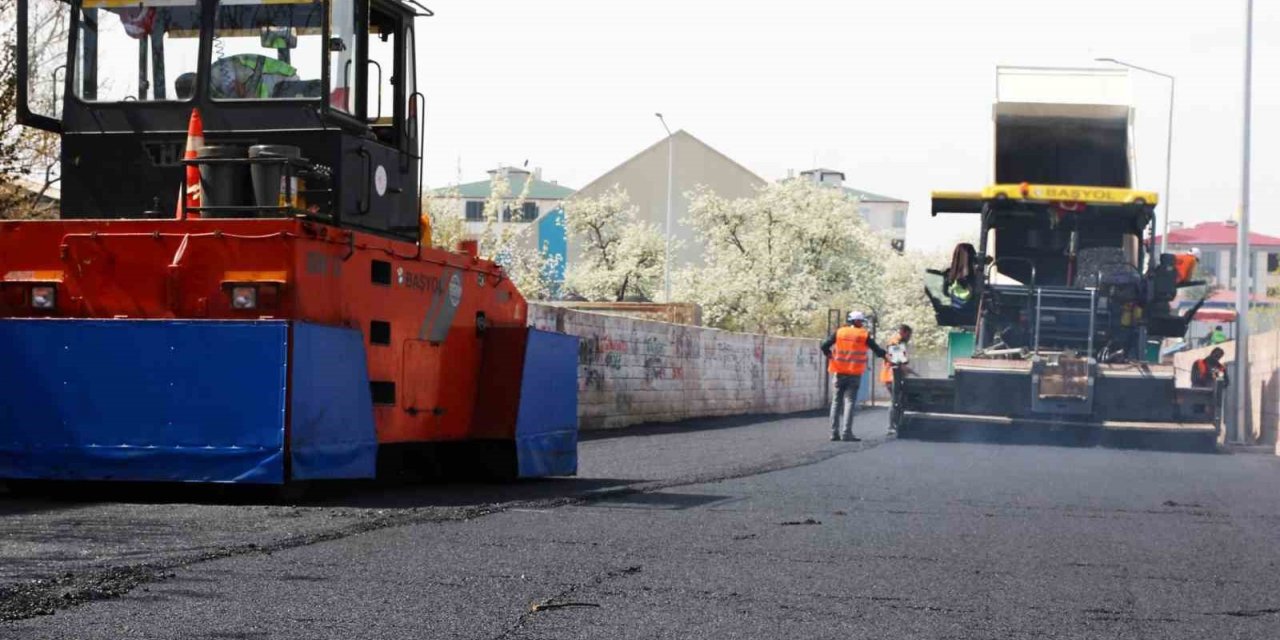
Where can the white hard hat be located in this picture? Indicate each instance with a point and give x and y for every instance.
(1195, 251)
(855, 316)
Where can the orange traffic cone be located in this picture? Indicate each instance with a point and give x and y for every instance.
(190, 192)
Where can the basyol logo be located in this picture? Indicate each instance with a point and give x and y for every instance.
(444, 305)
(419, 281)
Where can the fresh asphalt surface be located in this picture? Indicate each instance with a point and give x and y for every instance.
(722, 529)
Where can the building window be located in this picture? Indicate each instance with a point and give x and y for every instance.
(1208, 265)
(475, 211)
(1273, 262)
(900, 219)
(529, 211)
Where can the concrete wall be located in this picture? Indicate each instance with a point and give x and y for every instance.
(686, 313)
(632, 371)
(1264, 381)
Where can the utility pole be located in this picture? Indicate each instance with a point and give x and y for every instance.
(666, 260)
(1242, 245)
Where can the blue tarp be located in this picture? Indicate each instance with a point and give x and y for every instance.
(547, 422)
(331, 431)
(144, 400)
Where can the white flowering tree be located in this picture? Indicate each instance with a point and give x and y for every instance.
(903, 300)
(445, 212)
(530, 267)
(621, 256)
(515, 246)
(777, 261)
(773, 262)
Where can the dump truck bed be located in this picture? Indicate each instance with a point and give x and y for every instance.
(1063, 126)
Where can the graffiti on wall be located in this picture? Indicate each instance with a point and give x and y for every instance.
(633, 370)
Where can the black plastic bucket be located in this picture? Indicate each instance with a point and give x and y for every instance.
(223, 185)
(269, 189)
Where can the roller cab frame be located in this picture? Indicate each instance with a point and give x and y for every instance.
(118, 80)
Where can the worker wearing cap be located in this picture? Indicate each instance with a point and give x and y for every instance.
(1185, 264)
(846, 352)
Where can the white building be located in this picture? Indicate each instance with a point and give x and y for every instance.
(884, 215)
(1217, 244)
(542, 197)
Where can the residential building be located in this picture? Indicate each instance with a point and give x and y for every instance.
(644, 178)
(542, 197)
(1217, 244)
(883, 214)
(694, 163)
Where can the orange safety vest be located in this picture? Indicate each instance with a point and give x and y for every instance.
(849, 355)
(1185, 265)
(1202, 375)
(886, 369)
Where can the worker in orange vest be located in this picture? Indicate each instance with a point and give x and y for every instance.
(846, 352)
(1206, 371)
(1184, 264)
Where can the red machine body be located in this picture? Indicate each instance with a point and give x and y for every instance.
(425, 314)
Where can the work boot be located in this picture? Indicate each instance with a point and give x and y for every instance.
(849, 437)
(835, 437)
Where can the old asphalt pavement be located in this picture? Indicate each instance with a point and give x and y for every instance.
(721, 529)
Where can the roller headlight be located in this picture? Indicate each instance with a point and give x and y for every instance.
(244, 297)
(44, 296)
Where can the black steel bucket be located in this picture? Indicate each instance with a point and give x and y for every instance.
(223, 185)
(269, 187)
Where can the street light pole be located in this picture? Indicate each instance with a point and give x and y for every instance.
(1242, 243)
(1168, 152)
(666, 260)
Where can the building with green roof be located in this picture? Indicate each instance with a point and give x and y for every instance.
(884, 214)
(542, 196)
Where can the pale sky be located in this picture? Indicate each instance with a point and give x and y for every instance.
(897, 94)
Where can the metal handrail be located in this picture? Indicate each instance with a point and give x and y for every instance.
(1093, 318)
(1092, 292)
(986, 275)
(1035, 348)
